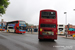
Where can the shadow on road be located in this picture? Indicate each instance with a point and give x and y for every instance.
(47, 40)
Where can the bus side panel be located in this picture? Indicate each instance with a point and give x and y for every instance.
(71, 32)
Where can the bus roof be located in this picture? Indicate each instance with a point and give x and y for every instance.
(16, 20)
(48, 10)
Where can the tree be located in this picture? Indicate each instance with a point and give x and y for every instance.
(26, 24)
(29, 24)
(3, 5)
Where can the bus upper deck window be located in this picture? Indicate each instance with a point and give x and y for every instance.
(50, 15)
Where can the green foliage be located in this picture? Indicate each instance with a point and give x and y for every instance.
(3, 5)
(26, 24)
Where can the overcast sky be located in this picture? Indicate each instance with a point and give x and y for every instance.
(28, 10)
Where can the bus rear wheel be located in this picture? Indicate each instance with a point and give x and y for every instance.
(52, 39)
(8, 31)
(40, 39)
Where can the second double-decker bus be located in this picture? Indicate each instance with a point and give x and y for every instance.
(48, 24)
(17, 26)
(70, 30)
(61, 29)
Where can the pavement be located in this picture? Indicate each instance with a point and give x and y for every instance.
(36, 33)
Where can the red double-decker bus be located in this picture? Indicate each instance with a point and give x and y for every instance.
(17, 26)
(48, 24)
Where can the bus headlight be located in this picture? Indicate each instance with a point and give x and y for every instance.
(40, 29)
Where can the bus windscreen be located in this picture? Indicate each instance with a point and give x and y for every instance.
(49, 15)
(22, 22)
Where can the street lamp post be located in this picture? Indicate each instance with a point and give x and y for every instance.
(1, 24)
(65, 18)
(66, 22)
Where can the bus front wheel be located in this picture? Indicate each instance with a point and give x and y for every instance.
(22, 33)
(52, 39)
(40, 39)
(15, 31)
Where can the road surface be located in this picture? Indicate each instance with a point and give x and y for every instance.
(12, 41)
